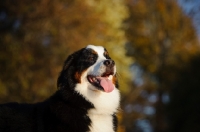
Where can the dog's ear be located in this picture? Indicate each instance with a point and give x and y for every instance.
(68, 69)
(71, 58)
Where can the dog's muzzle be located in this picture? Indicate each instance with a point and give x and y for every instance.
(104, 81)
(109, 67)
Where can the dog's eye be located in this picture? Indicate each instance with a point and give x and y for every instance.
(91, 58)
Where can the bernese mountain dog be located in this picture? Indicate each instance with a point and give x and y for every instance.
(87, 99)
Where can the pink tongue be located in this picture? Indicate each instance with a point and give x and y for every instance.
(106, 84)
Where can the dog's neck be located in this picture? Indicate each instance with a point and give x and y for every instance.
(104, 103)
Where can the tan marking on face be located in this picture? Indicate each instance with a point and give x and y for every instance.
(114, 80)
(94, 52)
(106, 53)
(78, 76)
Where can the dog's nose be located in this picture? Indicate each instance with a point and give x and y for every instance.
(109, 63)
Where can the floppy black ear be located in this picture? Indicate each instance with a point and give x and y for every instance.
(70, 60)
(65, 78)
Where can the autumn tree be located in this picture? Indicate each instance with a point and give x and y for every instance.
(37, 36)
(161, 41)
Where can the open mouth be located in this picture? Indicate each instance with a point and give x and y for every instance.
(103, 83)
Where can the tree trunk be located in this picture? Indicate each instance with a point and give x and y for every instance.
(160, 122)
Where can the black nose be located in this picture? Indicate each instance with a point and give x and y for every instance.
(109, 63)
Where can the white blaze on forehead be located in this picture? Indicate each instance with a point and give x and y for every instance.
(99, 49)
(98, 68)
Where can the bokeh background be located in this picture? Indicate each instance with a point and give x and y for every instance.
(155, 43)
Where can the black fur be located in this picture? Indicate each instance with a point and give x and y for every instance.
(65, 111)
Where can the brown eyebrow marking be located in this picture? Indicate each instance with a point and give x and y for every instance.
(93, 51)
(106, 54)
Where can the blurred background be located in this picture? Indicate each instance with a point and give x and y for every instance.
(155, 43)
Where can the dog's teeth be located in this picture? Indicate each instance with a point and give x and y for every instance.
(110, 77)
(94, 79)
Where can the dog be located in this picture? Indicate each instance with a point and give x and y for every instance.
(87, 99)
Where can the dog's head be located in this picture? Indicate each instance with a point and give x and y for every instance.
(91, 73)
(91, 66)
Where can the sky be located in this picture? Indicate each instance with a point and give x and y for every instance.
(192, 8)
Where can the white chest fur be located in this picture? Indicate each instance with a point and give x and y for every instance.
(105, 104)
(101, 123)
